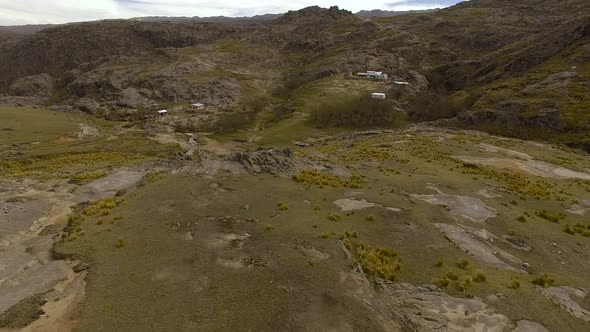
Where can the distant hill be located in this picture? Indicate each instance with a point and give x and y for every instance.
(211, 19)
(389, 13)
(24, 29)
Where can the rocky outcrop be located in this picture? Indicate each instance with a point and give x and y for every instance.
(547, 118)
(564, 297)
(272, 161)
(32, 86)
(426, 308)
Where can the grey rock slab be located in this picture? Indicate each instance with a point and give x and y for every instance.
(530, 166)
(564, 297)
(477, 243)
(108, 186)
(529, 326)
(469, 207)
(425, 308)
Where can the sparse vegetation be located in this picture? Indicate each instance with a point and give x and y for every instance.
(550, 215)
(121, 244)
(283, 206)
(515, 284)
(463, 263)
(357, 112)
(376, 262)
(543, 280)
(479, 277)
(324, 180)
(333, 216)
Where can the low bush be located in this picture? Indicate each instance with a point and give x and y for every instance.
(543, 280)
(463, 263)
(479, 277)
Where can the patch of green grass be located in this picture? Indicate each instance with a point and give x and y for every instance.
(86, 177)
(325, 180)
(550, 215)
(101, 207)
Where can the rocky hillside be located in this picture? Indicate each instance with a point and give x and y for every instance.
(502, 64)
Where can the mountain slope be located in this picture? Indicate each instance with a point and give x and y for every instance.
(474, 52)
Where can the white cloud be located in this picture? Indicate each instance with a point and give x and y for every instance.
(14, 12)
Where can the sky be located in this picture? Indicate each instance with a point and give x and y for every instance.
(20, 12)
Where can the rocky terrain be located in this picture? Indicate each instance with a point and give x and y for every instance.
(291, 200)
(109, 225)
(502, 65)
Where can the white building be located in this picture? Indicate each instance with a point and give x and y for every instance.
(377, 95)
(162, 112)
(376, 75)
(197, 106)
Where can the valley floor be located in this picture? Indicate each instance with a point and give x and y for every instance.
(128, 227)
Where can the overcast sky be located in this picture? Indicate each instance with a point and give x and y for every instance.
(17, 12)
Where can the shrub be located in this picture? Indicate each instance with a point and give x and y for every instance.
(439, 263)
(100, 222)
(521, 219)
(283, 206)
(376, 262)
(355, 112)
(441, 282)
(334, 216)
(467, 281)
(550, 215)
(515, 284)
(121, 244)
(569, 230)
(463, 263)
(370, 218)
(452, 275)
(543, 280)
(479, 277)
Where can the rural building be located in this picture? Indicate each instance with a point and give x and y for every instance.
(376, 75)
(377, 95)
(162, 112)
(197, 106)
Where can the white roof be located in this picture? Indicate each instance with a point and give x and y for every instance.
(162, 111)
(198, 104)
(377, 94)
(401, 82)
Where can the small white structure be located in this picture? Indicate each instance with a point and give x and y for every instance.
(377, 95)
(376, 75)
(162, 112)
(197, 106)
(401, 83)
